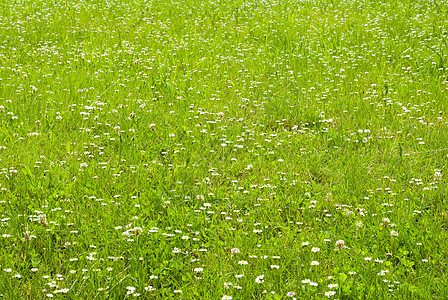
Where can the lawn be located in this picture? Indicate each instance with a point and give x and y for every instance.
(223, 149)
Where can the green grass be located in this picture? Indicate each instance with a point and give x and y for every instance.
(148, 147)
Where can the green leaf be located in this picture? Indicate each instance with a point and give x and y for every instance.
(413, 288)
(342, 277)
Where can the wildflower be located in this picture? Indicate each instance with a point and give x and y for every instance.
(393, 233)
(340, 244)
(138, 231)
(330, 293)
(290, 294)
(152, 127)
(198, 270)
(242, 262)
(332, 285)
(177, 291)
(149, 288)
(306, 281)
(226, 297)
(314, 263)
(315, 249)
(235, 250)
(313, 283)
(259, 279)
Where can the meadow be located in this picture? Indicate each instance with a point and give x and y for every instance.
(217, 149)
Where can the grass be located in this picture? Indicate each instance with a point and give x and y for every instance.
(223, 149)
